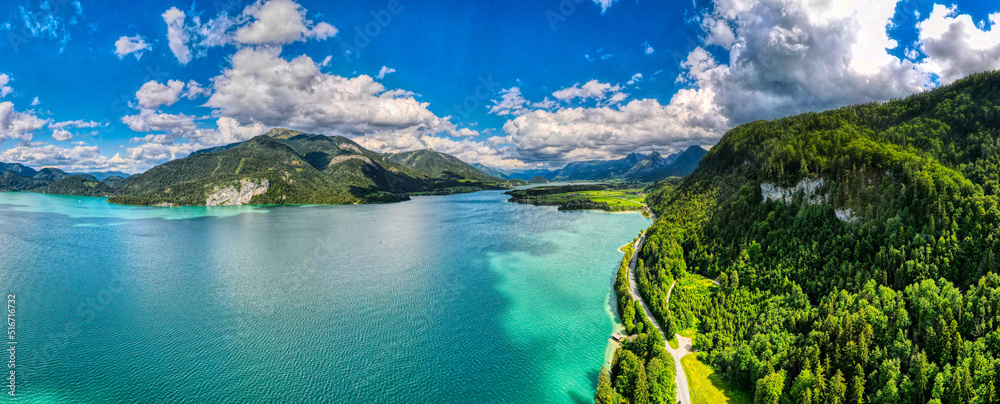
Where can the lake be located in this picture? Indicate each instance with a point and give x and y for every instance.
(463, 298)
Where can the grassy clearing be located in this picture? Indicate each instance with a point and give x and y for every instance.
(672, 341)
(607, 197)
(628, 197)
(707, 387)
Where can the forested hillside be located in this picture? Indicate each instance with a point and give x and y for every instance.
(290, 167)
(856, 251)
(440, 165)
(280, 167)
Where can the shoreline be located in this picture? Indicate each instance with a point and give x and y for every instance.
(408, 197)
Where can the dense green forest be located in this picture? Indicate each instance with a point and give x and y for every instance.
(880, 286)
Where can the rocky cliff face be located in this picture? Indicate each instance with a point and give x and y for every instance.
(231, 196)
(810, 188)
(811, 195)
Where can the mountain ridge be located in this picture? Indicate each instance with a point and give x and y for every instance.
(279, 167)
(651, 167)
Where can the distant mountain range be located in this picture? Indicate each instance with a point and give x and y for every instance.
(102, 175)
(280, 167)
(289, 167)
(17, 177)
(634, 167)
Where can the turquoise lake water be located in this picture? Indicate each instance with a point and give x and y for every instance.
(458, 299)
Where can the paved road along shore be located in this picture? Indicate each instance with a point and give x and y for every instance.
(685, 347)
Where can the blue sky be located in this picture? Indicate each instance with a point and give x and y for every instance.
(94, 84)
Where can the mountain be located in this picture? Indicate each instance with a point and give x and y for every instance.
(858, 246)
(75, 185)
(290, 167)
(102, 175)
(12, 182)
(649, 165)
(55, 174)
(114, 181)
(599, 169)
(53, 181)
(655, 168)
(17, 169)
(525, 175)
(634, 167)
(440, 165)
(492, 171)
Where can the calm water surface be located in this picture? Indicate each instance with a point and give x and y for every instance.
(463, 298)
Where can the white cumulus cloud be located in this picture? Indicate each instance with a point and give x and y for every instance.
(280, 22)
(61, 135)
(76, 158)
(261, 86)
(591, 90)
(153, 121)
(511, 102)
(134, 45)
(792, 56)
(4, 88)
(75, 124)
(153, 94)
(177, 34)
(18, 124)
(955, 46)
(262, 23)
(580, 133)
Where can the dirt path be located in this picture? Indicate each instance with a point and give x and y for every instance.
(685, 347)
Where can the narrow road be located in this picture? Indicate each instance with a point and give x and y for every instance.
(685, 347)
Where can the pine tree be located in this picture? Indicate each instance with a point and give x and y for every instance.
(803, 383)
(641, 386)
(857, 390)
(961, 387)
(605, 393)
(819, 383)
(919, 369)
(991, 394)
(837, 388)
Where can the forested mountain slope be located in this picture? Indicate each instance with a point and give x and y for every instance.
(856, 250)
(440, 165)
(287, 167)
